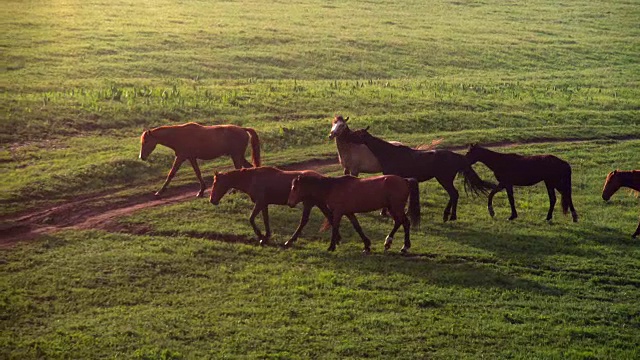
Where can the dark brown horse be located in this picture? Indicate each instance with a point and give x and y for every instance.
(617, 179)
(518, 170)
(347, 195)
(193, 141)
(265, 186)
(423, 165)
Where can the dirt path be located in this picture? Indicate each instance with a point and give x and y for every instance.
(91, 212)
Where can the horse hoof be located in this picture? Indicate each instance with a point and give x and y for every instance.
(492, 213)
(200, 194)
(366, 251)
(404, 251)
(331, 248)
(157, 194)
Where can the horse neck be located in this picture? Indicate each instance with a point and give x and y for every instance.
(630, 179)
(378, 146)
(344, 146)
(490, 158)
(241, 179)
(165, 135)
(320, 187)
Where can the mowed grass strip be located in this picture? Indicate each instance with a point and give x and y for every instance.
(198, 285)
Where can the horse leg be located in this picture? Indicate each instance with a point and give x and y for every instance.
(306, 211)
(490, 199)
(196, 169)
(256, 209)
(512, 202)
(335, 233)
(239, 162)
(365, 239)
(406, 226)
(552, 199)
(328, 215)
(267, 228)
(174, 169)
(452, 206)
(389, 240)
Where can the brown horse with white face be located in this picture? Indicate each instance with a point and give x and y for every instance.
(354, 158)
(617, 179)
(192, 141)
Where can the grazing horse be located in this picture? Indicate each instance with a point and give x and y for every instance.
(347, 195)
(424, 165)
(192, 141)
(265, 186)
(617, 179)
(518, 170)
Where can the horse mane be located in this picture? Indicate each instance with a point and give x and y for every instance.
(432, 146)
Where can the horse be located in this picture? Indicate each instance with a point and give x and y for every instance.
(424, 165)
(265, 186)
(617, 179)
(518, 170)
(192, 141)
(357, 158)
(347, 195)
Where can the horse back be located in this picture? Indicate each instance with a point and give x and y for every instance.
(273, 185)
(354, 195)
(209, 142)
(529, 170)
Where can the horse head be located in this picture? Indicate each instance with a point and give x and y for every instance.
(219, 188)
(338, 126)
(295, 194)
(474, 152)
(359, 136)
(611, 185)
(147, 144)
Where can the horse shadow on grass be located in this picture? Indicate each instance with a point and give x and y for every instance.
(530, 244)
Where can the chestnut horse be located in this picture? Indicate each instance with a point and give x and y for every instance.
(617, 179)
(192, 141)
(265, 186)
(424, 165)
(347, 195)
(519, 170)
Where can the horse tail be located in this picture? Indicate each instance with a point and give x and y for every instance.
(255, 146)
(326, 225)
(473, 182)
(414, 202)
(565, 190)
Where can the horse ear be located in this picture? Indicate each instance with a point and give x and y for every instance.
(615, 171)
(367, 128)
(216, 173)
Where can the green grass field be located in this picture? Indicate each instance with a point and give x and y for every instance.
(81, 79)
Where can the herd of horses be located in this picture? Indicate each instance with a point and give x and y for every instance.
(360, 152)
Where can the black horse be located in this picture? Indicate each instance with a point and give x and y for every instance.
(519, 170)
(424, 165)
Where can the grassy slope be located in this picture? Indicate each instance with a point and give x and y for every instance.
(82, 78)
(197, 284)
